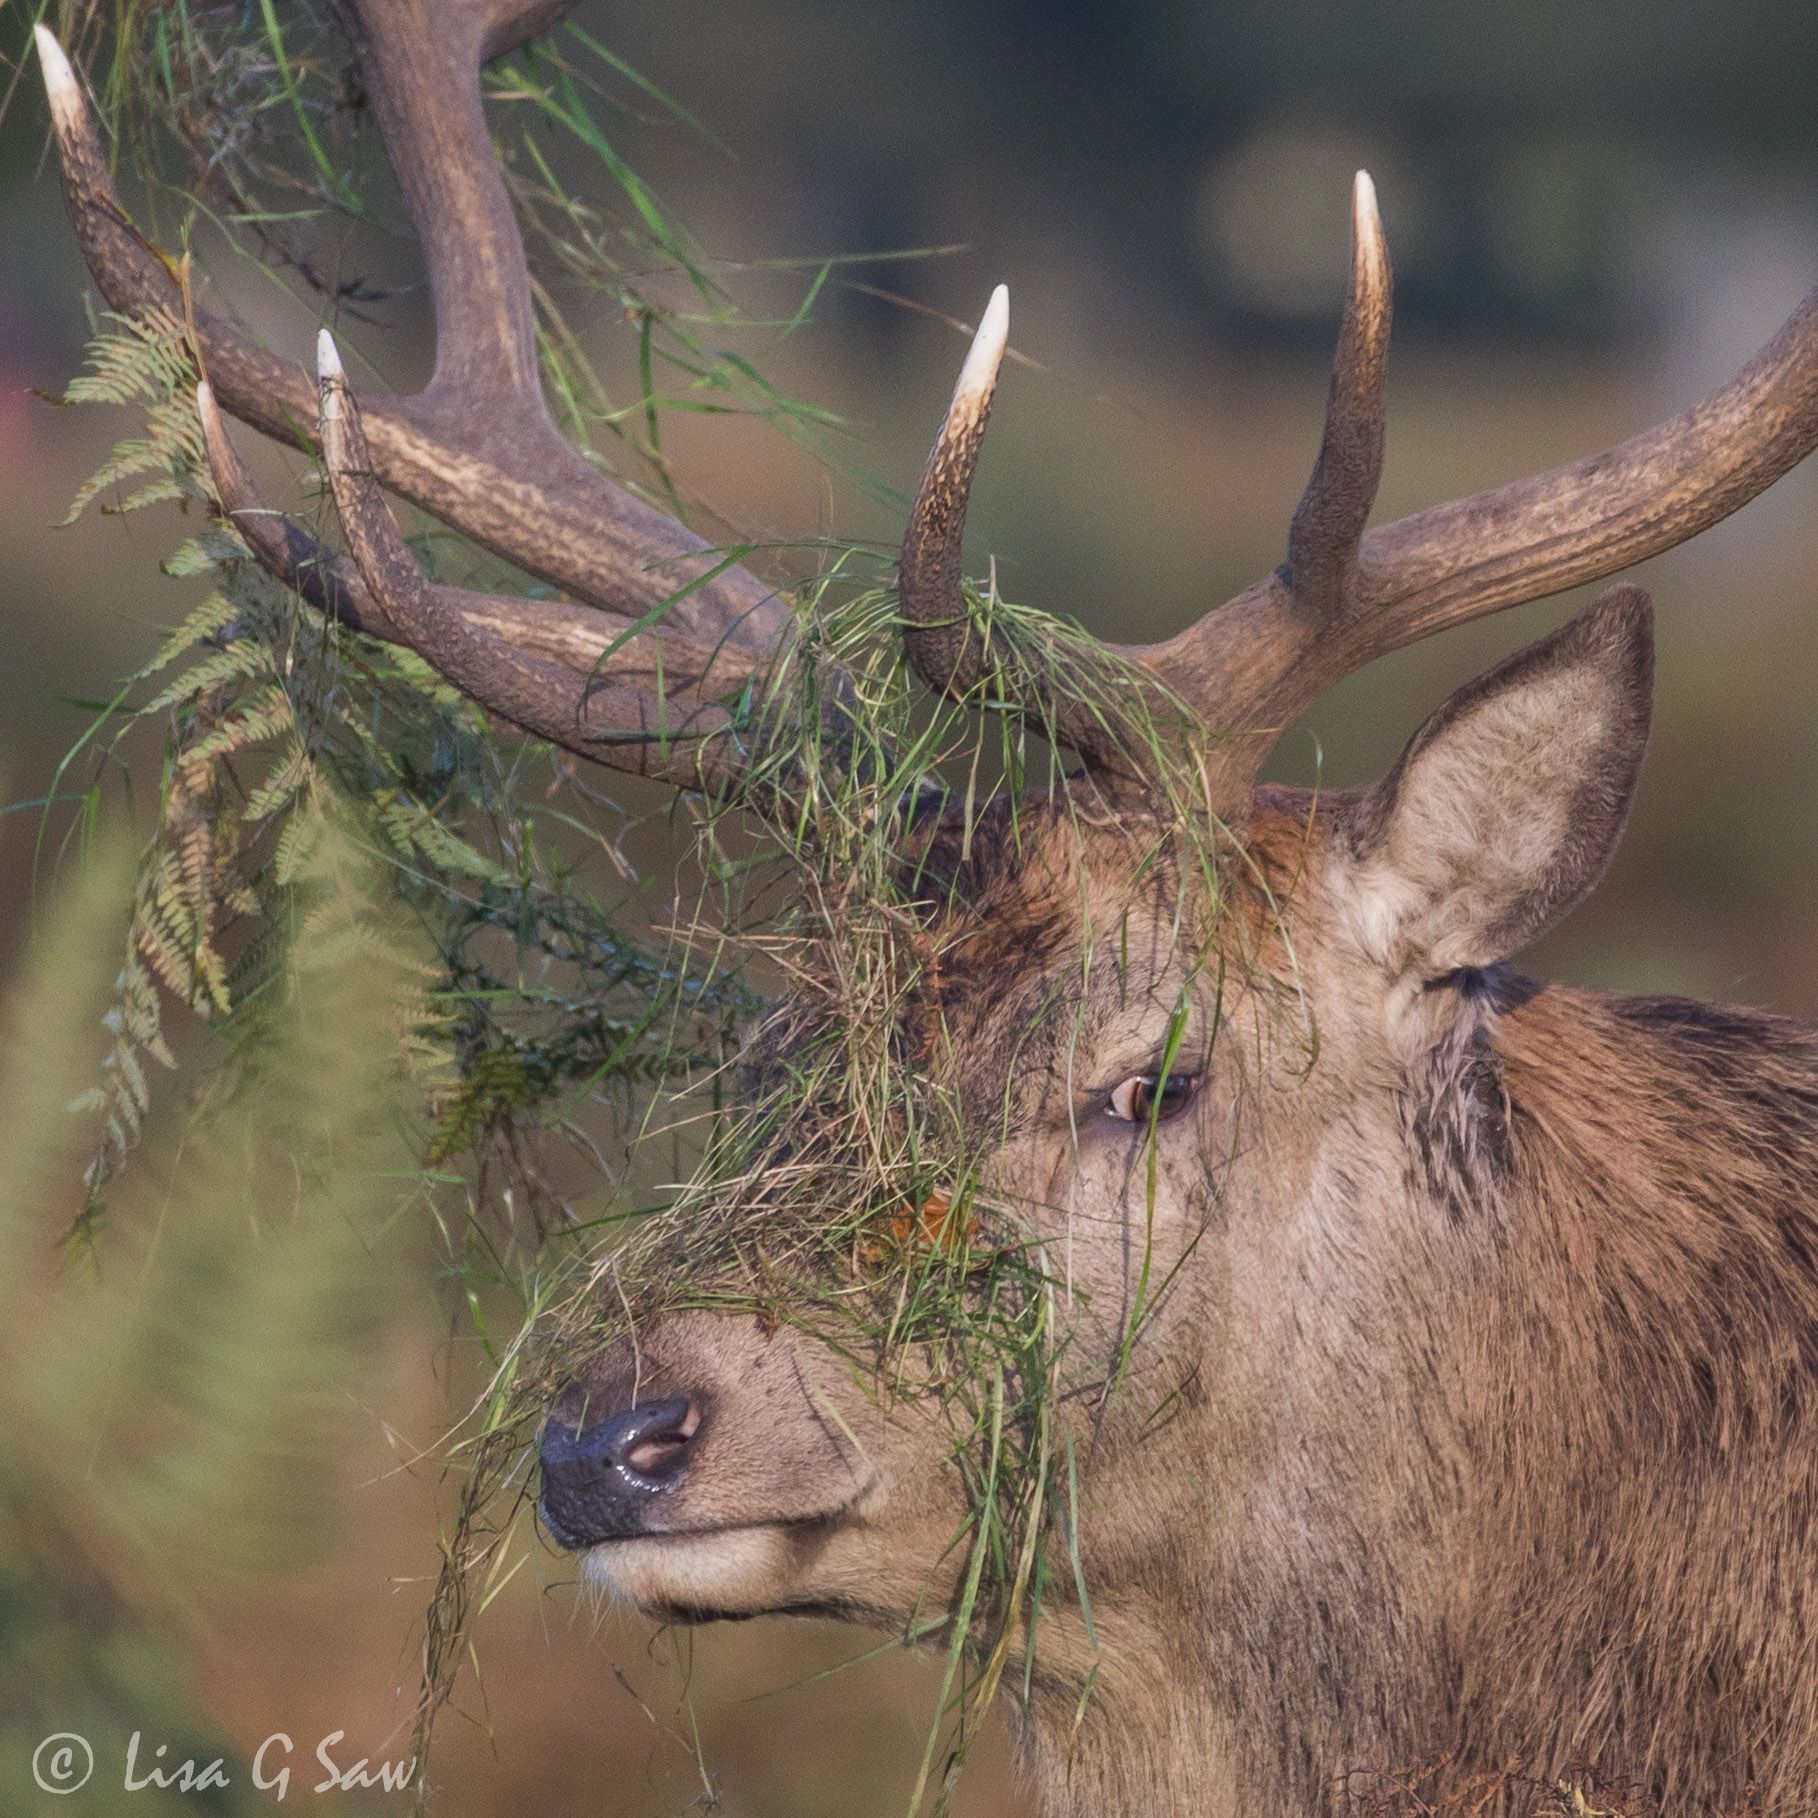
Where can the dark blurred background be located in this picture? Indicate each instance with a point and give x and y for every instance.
(1596, 214)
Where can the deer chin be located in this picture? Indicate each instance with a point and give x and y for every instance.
(719, 1574)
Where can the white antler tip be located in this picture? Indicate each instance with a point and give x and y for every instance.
(1367, 243)
(59, 77)
(978, 376)
(328, 358)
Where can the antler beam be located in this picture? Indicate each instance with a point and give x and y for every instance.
(477, 447)
(568, 636)
(1256, 664)
(539, 664)
(420, 60)
(635, 677)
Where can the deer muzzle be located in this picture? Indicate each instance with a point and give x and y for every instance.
(604, 1479)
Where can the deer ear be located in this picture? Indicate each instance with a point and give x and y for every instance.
(1504, 809)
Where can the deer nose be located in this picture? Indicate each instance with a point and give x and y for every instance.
(602, 1480)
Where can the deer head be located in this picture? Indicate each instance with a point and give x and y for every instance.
(1243, 1108)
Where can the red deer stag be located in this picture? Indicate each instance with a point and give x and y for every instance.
(1490, 1326)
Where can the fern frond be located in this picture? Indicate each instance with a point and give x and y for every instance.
(262, 716)
(214, 548)
(291, 772)
(206, 623)
(145, 361)
(240, 660)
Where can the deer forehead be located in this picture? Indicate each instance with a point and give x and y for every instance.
(1076, 913)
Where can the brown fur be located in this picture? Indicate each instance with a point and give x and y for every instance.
(1475, 1440)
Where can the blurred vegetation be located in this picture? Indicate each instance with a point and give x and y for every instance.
(170, 1402)
(271, 715)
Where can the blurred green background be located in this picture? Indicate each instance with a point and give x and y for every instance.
(1596, 214)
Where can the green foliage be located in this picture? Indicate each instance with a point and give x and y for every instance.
(270, 716)
(144, 363)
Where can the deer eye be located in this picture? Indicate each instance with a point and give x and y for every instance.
(1146, 1098)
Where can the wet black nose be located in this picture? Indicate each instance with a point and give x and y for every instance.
(603, 1481)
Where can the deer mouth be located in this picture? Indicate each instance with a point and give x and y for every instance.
(589, 1544)
(713, 1574)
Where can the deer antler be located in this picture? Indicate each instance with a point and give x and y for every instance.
(1328, 523)
(476, 447)
(1346, 596)
(942, 644)
(938, 636)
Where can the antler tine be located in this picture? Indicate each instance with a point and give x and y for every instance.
(1329, 521)
(1256, 664)
(680, 738)
(136, 279)
(938, 637)
(527, 660)
(329, 582)
(573, 638)
(386, 566)
(477, 448)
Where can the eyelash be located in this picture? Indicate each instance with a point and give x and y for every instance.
(1133, 1102)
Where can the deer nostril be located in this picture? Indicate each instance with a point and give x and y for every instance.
(660, 1448)
(654, 1456)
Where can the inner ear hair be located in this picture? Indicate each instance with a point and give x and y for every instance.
(1505, 808)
